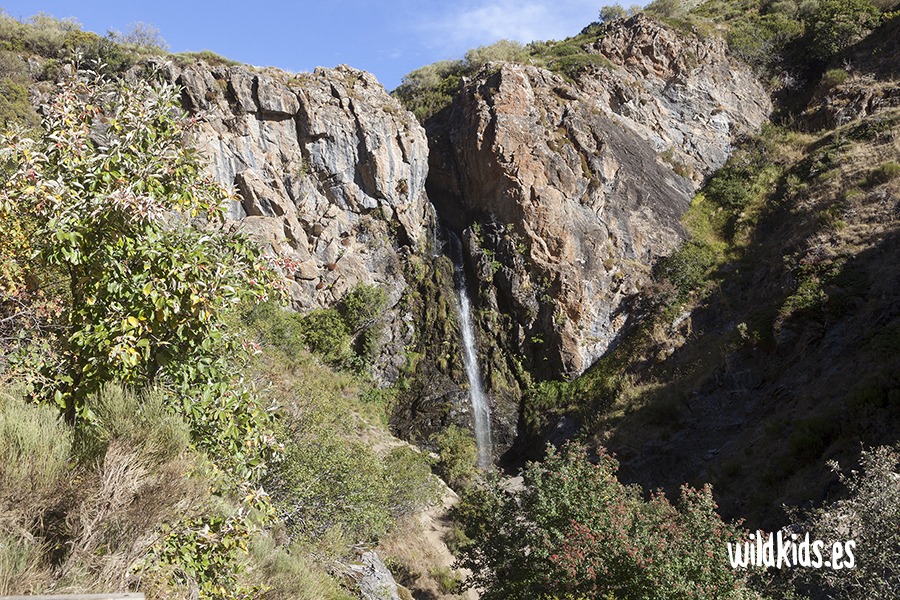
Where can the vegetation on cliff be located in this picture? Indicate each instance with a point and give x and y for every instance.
(166, 426)
(145, 407)
(431, 88)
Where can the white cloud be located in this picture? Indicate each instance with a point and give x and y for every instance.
(479, 23)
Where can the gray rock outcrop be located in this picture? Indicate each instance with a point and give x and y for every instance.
(330, 172)
(372, 578)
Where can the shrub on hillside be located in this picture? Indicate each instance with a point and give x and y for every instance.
(761, 40)
(836, 24)
(869, 515)
(885, 173)
(325, 333)
(574, 531)
(123, 218)
(687, 268)
(429, 89)
(501, 51)
(833, 77)
(362, 306)
(458, 454)
(328, 486)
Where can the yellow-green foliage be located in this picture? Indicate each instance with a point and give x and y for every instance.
(64, 40)
(458, 456)
(15, 106)
(431, 88)
(146, 296)
(35, 447)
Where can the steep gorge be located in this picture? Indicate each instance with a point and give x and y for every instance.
(543, 235)
(563, 191)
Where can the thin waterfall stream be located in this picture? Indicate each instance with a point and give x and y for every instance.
(481, 411)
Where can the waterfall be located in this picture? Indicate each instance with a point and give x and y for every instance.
(481, 411)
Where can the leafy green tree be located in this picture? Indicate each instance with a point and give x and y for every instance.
(612, 12)
(574, 531)
(837, 24)
(142, 35)
(133, 234)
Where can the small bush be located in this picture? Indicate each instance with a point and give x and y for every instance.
(326, 485)
(761, 40)
(730, 188)
(325, 333)
(458, 456)
(834, 77)
(667, 8)
(885, 173)
(22, 565)
(411, 485)
(502, 51)
(15, 106)
(34, 452)
(688, 267)
(836, 24)
(362, 306)
(431, 88)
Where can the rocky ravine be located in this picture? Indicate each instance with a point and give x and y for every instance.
(579, 185)
(565, 192)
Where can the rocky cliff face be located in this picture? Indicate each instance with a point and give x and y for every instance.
(565, 191)
(330, 171)
(581, 184)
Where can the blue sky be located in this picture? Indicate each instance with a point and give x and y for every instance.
(388, 38)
